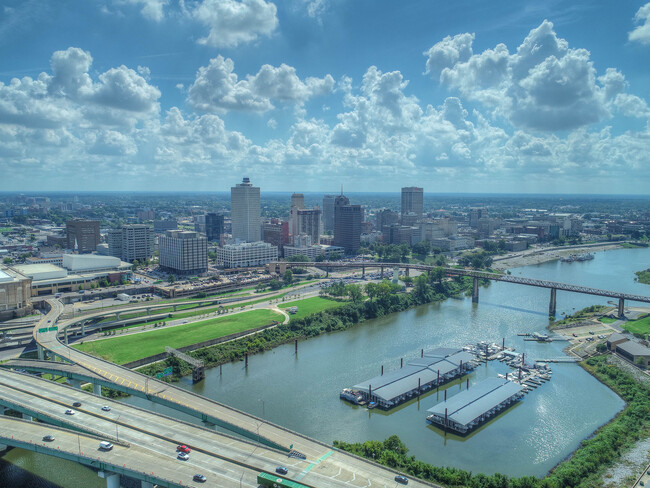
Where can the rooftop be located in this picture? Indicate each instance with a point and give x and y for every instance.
(470, 404)
(416, 372)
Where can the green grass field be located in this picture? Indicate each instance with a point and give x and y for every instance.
(641, 326)
(126, 348)
(312, 305)
(607, 320)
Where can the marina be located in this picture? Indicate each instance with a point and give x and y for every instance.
(432, 369)
(470, 408)
(578, 257)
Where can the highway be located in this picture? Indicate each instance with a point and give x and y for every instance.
(330, 467)
(134, 461)
(214, 454)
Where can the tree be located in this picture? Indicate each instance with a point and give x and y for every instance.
(354, 292)
(422, 249)
(7, 261)
(287, 277)
(171, 278)
(320, 258)
(298, 258)
(335, 256)
(275, 284)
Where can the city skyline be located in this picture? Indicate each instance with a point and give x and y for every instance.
(544, 99)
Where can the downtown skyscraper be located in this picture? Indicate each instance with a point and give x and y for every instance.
(245, 211)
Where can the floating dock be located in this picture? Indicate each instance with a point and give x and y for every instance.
(470, 408)
(417, 376)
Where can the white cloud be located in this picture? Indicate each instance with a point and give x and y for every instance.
(123, 88)
(641, 33)
(233, 22)
(544, 86)
(448, 52)
(150, 9)
(120, 88)
(217, 88)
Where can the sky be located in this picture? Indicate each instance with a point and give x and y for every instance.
(314, 95)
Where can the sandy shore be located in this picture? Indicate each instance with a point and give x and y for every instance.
(542, 255)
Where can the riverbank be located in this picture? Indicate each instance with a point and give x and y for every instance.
(542, 255)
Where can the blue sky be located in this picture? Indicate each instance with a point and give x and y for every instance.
(306, 95)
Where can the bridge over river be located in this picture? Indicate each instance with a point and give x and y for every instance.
(477, 276)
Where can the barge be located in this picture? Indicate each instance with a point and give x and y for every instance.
(434, 368)
(467, 410)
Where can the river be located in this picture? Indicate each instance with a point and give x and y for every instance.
(301, 391)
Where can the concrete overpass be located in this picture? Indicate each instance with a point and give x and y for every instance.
(134, 461)
(214, 454)
(280, 267)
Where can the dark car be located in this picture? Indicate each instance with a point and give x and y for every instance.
(48, 438)
(281, 470)
(402, 479)
(76, 404)
(200, 478)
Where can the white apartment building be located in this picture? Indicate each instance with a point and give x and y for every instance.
(312, 252)
(247, 254)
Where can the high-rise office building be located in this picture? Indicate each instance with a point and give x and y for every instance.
(297, 203)
(137, 242)
(328, 212)
(131, 242)
(412, 200)
(298, 200)
(183, 252)
(213, 226)
(347, 224)
(386, 217)
(276, 233)
(245, 210)
(309, 223)
(475, 214)
(82, 235)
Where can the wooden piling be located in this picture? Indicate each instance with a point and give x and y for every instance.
(245, 360)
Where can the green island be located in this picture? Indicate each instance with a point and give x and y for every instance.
(582, 315)
(584, 469)
(643, 276)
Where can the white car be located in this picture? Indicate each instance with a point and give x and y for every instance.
(183, 456)
(106, 408)
(69, 412)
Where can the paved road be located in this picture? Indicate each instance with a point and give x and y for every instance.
(133, 460)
